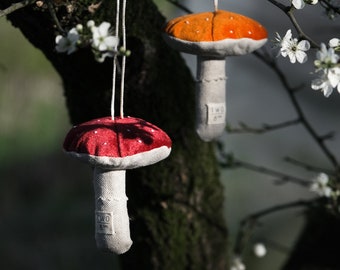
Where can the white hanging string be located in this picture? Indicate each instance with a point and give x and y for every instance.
(216, 5)
(123, 61)
(115, 64)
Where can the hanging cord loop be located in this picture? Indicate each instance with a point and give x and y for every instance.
(216, 5)
(114, 72)
(122, 82)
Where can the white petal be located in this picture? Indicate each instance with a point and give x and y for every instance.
(327, 192)
(102, 47)
(317, 84)
(58, 38)
(104, 28)
(322, 178)
(327, 90)
(284, 52)
(111, 41)
(288, 35)
(71, 49)
(62, 45)
(333, 76)
(292, 57)
(334, 42)
(301, 56)
(298, 4)
(303, 45)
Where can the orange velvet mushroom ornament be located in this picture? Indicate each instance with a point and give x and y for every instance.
(213, 36)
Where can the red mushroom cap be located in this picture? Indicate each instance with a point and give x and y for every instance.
(122, 143)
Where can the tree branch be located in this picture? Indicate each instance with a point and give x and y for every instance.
(244, 128)
(232, 163)
(291, 93)
(289, 11)
(308, 167)
(15, 7)
(298, 28)
(329, 7)
(247, 224)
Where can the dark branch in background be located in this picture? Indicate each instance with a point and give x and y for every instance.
(54, 17)
(289, 11)
(308, 167)
(248, 224)
(320, 140)
(298, 28)
(244, 128)
(180, 6)
(230, 162)
(330, 8)
(22, 4)
(16, 6)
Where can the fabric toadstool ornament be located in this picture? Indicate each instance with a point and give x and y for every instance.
(112, 145)
(213, 36)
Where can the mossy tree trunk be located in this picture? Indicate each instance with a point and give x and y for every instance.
(176, 206)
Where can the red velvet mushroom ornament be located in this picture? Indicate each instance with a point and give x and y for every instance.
(113, 146)
(213, 36)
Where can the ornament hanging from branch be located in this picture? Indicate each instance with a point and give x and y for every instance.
(213, 36)
(112, 145)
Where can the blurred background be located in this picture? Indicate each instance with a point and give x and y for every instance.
(46, 198)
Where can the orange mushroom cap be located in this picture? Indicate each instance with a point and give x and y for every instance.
(211, 32)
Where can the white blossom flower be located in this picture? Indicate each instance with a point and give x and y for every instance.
(260, 250)
(322, 84)
(327, 64)
(67, 43)
(298, 4)
(325, 58)
(102, 40)
(321, 186)
(237, 264)
(294, 49)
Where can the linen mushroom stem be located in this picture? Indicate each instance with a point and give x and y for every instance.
(210, 97)
(111, 215)
(112, 146)
(213, 36)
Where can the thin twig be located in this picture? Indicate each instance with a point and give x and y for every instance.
(247, 224)
(244, 128)
(289, 11)
(298, 28)
(234, 163)
(328, 6)
(308, 167)
(15, 7)
(54, 16)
